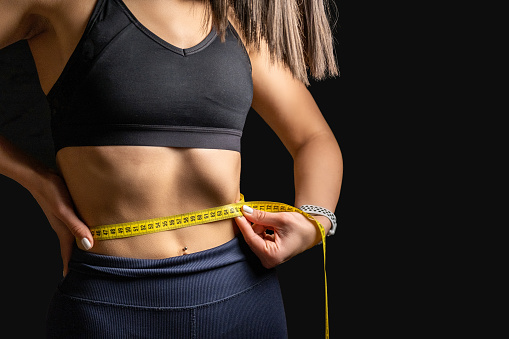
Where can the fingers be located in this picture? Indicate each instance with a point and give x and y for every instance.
(66, 240)
(66, 244)
(252, 238)
(266, 245)
(56, 202)
(264, 249)
(69, 228)
(265, 224)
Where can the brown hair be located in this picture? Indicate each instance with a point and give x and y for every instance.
(297, 32)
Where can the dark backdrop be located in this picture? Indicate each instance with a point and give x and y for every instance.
(29, 248)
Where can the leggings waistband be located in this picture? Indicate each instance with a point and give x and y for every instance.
(182, 281)
(97, 264)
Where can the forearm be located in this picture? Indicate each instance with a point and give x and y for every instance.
(19, 166)
(318, 172)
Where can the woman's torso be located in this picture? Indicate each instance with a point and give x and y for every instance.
(112, 184)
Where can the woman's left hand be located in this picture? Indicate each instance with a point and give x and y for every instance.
(293, 233)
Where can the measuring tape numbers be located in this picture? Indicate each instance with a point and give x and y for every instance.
(131, 229)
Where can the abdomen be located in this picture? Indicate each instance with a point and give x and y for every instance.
(113, 184)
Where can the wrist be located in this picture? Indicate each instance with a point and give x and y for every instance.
(326, 223)
(317, 211)
(19, 166)
(36, 178)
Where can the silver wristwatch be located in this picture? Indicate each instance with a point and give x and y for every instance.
(317, 210)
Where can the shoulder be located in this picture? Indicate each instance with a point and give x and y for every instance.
(264, 65)
(251, 50)
(259, 56)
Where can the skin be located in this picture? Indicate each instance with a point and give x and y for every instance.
(112, 184)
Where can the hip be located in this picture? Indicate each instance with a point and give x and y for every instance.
(212, 293)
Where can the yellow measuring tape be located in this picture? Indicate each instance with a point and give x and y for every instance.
(131, 229)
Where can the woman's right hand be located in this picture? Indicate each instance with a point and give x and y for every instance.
(51, 193)
(53, 196)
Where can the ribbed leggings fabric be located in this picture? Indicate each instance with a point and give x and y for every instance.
(223, 292)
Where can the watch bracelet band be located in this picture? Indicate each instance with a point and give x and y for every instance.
(317, 210)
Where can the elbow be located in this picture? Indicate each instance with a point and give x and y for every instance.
(322, 142)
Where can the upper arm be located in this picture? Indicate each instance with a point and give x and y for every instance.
(18, 21)
(285, 103)
(282, 101)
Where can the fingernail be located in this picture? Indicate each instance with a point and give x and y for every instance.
(86, 243)
(247, 209)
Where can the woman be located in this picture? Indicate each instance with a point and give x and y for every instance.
(148, 102)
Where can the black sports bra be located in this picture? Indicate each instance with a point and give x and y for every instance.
(123, 85)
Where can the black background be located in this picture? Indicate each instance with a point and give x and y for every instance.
(29, 248)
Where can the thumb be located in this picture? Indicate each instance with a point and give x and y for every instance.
(261, 217)
(78, 228)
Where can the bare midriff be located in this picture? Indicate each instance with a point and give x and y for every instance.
(114, 184)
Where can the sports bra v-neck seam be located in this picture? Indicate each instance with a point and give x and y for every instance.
(181, 51)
